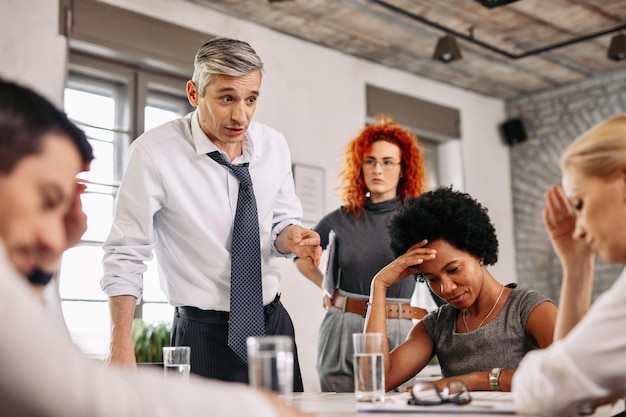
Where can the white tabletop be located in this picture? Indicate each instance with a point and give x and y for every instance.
(344, 404)
(330, 404)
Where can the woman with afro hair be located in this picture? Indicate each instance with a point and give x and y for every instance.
(384, 166)
(485, 328)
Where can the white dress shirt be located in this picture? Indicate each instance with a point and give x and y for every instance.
(177, 201)
(45, 375)
(590, 362)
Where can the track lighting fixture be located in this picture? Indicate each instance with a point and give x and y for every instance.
(617, 48)
(447, 49)
(616, 51)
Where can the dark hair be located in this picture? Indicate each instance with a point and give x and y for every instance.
(25, 118)
(452, 216)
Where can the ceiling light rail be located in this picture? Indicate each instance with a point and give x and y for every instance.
(472, 39)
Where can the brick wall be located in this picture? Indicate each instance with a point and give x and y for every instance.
(553, 119)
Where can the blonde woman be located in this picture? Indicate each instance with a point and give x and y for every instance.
(587, 217)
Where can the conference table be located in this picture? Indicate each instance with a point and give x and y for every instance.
(330, 404)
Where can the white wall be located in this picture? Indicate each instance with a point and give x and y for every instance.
(31, 52)
(316, 97)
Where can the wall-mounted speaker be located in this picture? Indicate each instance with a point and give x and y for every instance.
(513, 131)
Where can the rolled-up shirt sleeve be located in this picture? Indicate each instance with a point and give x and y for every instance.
(287, 206)
(132, 238)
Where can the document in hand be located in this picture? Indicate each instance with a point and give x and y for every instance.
(483, 402)
(329, 283)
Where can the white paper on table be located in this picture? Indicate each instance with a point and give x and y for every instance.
(483, 402)
(329, 283)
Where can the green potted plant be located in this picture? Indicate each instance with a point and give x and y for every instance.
(149, 339)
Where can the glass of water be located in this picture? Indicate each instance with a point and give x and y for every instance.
(270, 364)
(176, 362)
(369, 373)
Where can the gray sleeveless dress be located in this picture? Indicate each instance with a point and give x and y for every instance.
(500, 343)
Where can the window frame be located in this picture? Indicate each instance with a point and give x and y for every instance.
(134, 88)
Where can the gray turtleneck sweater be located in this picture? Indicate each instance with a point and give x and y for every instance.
(363, 247)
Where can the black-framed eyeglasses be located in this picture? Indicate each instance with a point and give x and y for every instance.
(386, 164)
(426, 393)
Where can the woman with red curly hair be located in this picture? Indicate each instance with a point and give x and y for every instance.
(383, 167)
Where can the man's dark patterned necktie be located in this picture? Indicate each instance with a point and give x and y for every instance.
(246, 290)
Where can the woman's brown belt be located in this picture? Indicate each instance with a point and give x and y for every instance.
(394, 310)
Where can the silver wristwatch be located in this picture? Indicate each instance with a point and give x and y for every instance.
(494, 376)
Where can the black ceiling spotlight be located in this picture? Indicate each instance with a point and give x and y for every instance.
(494, 3)
(447, 49)
(617, 48)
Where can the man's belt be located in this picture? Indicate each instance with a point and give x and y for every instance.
(394, 310)
(219, 317)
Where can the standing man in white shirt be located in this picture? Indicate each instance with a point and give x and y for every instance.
(177, 201)
(43, 373)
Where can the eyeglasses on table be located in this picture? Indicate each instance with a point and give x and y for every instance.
(427, 393)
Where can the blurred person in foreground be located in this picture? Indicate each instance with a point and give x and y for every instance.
(180, 200)
(43, 373)
(485, 328)
(384, 166)
(586, 365)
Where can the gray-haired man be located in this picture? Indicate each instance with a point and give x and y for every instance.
(182, 197)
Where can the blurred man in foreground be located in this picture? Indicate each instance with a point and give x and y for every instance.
(43, 372)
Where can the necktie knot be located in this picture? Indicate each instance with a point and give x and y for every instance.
(239, 171)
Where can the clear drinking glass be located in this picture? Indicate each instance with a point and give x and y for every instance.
(270, 364)
(176, 362)
(369, 373)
